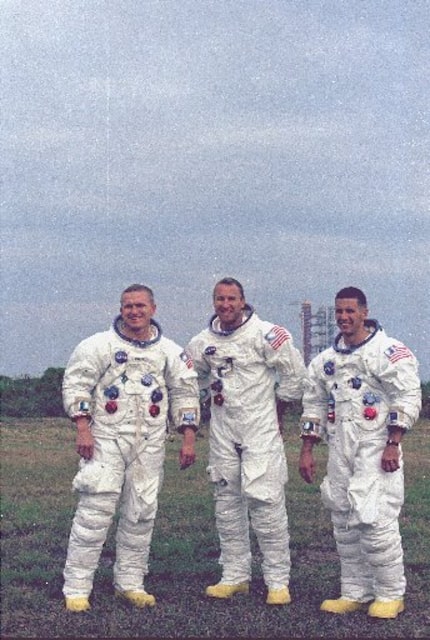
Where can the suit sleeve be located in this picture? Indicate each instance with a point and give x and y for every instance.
(398, 373)
(181, 382)
(83, 371)
(286, 359)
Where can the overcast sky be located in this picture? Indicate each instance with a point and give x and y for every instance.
(174, 142)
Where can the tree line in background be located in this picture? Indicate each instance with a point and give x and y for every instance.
(27, 397)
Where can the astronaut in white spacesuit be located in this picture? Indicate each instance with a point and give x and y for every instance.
(118, 388)
(247, 364)
(364, 393)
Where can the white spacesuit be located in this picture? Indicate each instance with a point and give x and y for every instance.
(247, 464)
(127, 387)
(353, 395)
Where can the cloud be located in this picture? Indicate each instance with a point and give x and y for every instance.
(283, 143)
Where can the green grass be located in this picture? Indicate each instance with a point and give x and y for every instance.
(38, 465)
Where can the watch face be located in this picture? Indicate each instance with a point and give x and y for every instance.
(393, 442)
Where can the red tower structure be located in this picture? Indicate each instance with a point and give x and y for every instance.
(306, 320)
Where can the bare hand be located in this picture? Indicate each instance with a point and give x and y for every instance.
(187, 456)
(85, 444)
(307, 466)
(390, 460)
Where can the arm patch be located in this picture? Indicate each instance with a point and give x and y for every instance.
(277, 336)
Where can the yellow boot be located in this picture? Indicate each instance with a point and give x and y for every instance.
(221, 590)
(138, 599)
(278, 596)
(77, 604)
(389, 609)
(342, 605)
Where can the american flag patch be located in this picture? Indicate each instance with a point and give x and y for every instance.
(186, 359)
(277, 336)
(397, 352)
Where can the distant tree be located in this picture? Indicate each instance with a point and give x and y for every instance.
(48, 390)
(18, 397)
(5, 382)
(27, 397)
(425, 411)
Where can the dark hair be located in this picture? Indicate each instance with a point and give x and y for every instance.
(352, 292)
(139, 287)
(231, 281)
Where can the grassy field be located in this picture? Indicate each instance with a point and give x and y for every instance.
(38, 464)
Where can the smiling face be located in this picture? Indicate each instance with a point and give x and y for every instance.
(137, 309)
(228, 304)
(350, 317)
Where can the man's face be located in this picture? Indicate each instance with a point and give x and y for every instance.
(228, 305)
(137, 310)
(350, 317)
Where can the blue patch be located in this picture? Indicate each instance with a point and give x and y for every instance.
(369, 399)
(147, 380)
(217, 386)
(121, 357)
(157, 395)
(112, 392)
(355, 382)
(210, 351)
(329, 368)
(394, 417)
